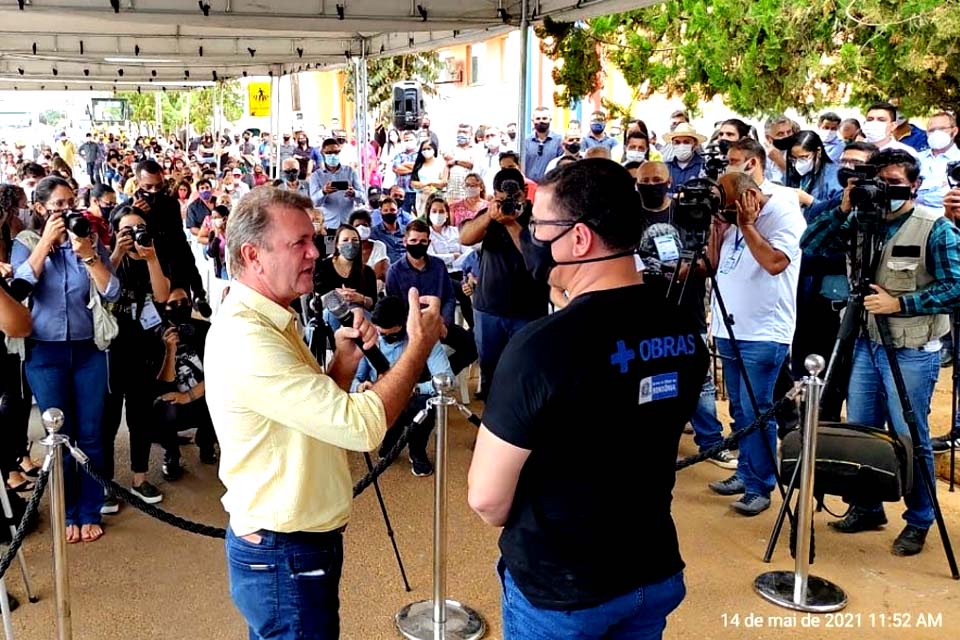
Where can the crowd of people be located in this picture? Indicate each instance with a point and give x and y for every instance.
(450, 252)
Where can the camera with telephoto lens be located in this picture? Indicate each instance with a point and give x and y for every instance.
(870, 196)
(698, 200)
(715, 159)
(76, 224)
(953, 174)
(512, 204)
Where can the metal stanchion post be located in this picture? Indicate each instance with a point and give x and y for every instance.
(798, 590)
(52, 422)
(440, 618)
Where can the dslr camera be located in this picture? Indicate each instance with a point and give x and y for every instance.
(870, 196)
(141, 236)
(512, 205)
(698, 200)
(76, 224)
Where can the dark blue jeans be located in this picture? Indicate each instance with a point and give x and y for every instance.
(707, 430)
(762, 362)
(873, 401)
(640, 614)
(493, 333)
(287, 586)
(72, 376)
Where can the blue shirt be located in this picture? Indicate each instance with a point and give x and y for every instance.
(403, 218)
(539, 153)
(835, 148)
(62, 292)
(393, 240)
(432, 281)
(336, 206)
(589, 142)
(679, 175)
(399, 159)
(437, 364)
(933, 176)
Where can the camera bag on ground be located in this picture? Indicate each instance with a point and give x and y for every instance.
(857, 462)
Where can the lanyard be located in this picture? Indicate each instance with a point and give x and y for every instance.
(737, 240)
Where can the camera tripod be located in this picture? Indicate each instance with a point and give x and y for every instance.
(866, 255)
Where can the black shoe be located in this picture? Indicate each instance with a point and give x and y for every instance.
(208, 456)
(941, 444)
(172, 470)
(910, 541)
(14, 603)
(421, 466)
(858, 520)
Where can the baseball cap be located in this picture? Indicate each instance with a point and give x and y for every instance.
(237, 171)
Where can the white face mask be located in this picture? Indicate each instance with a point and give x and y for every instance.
(437, 219)
(427, 153)
(364, 232)
(827, 135)
(683, 152)
(939, 139)
(493, 144)
(635, 156)
(803, 166)
(410, 145)
(473, 192)
(874, 131)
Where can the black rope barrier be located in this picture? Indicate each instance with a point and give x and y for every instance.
(384, 462)
(33, 506)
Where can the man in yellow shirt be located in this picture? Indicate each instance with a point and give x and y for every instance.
(66, 150)
(285, 425)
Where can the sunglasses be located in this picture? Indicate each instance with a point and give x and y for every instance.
(540, 150)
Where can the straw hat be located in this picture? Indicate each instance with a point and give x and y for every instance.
(684, 130)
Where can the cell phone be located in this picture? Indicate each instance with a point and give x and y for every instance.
(340, 185)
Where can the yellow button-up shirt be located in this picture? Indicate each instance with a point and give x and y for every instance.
(283, 425)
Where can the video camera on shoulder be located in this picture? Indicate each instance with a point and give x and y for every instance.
(871, 196)
(698, 200)
(715, 159)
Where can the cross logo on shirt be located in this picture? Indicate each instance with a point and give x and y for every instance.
(623, 356)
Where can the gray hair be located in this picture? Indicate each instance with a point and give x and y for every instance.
(250, 221)
(778, 120)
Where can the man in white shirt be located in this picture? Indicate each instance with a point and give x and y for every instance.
(747, 156)
(758, 258)
(941, 133)
(878, 128)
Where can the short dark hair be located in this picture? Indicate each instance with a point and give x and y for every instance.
(637, 135)
(859, 145)
(204, 181)
(743, 129)
(751, 148)
(884, 106)
(601, 194)
(828, 116)
(509, 154)
(852, 121)
(32, 170)
(328, 142)
(360, 214)
(389, 200)
(151, 167)
(897, 158)
(507, 174)
(633, 164)
(390, 312)
(417, 225)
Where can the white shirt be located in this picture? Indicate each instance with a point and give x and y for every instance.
(378, 253)
(933, 176)
(445, 243)
(896, 144)
(764, 307)
(772, 188)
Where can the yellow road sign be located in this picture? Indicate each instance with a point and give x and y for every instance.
(259, 98)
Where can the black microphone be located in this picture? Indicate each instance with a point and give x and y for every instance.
(338, 307)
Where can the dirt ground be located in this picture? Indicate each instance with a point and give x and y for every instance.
(146, 580)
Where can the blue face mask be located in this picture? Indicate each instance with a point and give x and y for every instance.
(462, 139)
(597, 127)
(331, 159)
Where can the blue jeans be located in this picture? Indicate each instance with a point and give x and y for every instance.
(640, 614)
(72, 376)
(873, 400)
(707, 430)
(493, 333)
(762, 362)
(287, 586)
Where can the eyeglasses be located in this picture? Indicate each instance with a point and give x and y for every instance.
(534, 223)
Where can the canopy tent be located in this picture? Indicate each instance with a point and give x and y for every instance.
(121, 44)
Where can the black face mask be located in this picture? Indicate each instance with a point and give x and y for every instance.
(106, 210)
(417, 251)
(652, 195)
(389, 218)
(783, 144)
(546, 262)
(146, 196)
(374, 202)
(179, 313)
(291, 174)
(394, 338)
(542, 127)
(572, 148)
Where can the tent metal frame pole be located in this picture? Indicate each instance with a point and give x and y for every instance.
(524, 65)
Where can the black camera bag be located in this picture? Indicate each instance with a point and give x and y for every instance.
(857, 462)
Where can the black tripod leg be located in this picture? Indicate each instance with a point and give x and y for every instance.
(955, 352)
(386, 521)
(778, 525)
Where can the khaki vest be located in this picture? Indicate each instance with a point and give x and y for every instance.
(906, 275)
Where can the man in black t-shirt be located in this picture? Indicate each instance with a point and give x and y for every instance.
(617, 371)
(508, 295)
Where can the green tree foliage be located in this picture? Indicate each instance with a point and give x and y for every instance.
(52, 117)
(762, 56)
(174, 104)
(383, 73)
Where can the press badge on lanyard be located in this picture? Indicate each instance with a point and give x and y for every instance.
(666, 249)
(150, 317)
(730, 262)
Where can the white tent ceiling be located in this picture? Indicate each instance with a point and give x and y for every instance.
(119, 44)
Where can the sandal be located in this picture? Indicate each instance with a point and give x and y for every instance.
(89, 534)
(34, 469)
(24, 487)
(73, 534)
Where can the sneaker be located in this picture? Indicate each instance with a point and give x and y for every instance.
(910, 541)
(172, 470)
(110, 505)
(688, 429)
(729, 487)
(421, 466)
(858, 520)
(751, 504)
(724, 460)
(147, 492)
(941, 444)
(208, 456)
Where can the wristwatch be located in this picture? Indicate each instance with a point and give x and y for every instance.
(91, 260)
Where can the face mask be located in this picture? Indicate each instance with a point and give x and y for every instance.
(783, 144)
(389, 218)
(364, 232)
(417, 251)
(683, 152)
(106, 210)
(542, 127)
(493, 143)
(394, 338)
(228, 187)
(427, 153)
(331, 159)
(939, 139)
(874, 131)
(597, 127)
(512, 135)
(896, 204)
(302, 143)
(146, 196)
(180, 314)
(206, 195)
(572, 148)
(291, 174)
(827, 135)
(803, 166)
(317, 227)
(410, 146)
(349, 250)
(217, 224)
(462, 140)
(652, 195)
(437, 219)
(473, 192)
(636, 156)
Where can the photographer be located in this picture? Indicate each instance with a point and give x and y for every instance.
(183, 402)
(335, 188)
(755, 248)
(510, 292)
(135, 356)
(916, 283)
(574, 564)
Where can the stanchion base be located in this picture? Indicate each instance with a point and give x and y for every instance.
(822, 595)
(415, 622)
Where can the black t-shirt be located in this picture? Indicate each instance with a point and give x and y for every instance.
(506, 286)
(599, 393)
(326, 278)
